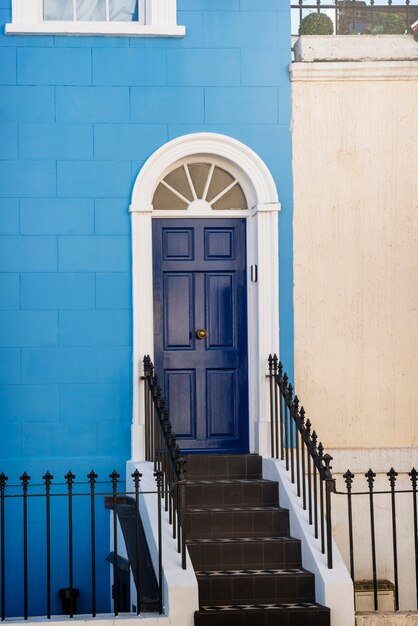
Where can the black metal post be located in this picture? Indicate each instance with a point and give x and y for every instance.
(329, 489)
(114, 479)
(182, 482)
(47, 478)
(286, 424)
(308, 440)
(413, 475)
(165, 460)
(297, 422)
(291, 442)
(92, 480)
(69, 478)
(25, 482)
(270, 374)
(137, 477)
(170, 473)
(3, 481)
(314, 439)
(348, 477)
(370, 475)
(279, 381)
(321, 495)
(178, 497)
(392, 480)
(159, 478)
(276, 410)
(146, 408)
(302, 429)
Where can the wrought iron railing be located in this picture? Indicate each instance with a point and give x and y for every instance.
(372, 495)
(354, 16)
(44, 523)
(295, 442)
(161, 448)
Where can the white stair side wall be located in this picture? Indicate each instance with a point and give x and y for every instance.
(333, 587)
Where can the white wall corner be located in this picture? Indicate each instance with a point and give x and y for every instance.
(333, 587)
(181, 596)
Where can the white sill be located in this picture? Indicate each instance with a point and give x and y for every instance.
(124, 29)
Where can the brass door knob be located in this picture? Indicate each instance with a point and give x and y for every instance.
(201, 333)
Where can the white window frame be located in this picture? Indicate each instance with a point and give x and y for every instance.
(161, 21)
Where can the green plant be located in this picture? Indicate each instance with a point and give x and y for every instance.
(316, 24)
(391, 24)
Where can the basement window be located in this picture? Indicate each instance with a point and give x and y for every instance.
(130, 18)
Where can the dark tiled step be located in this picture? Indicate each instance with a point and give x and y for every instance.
(245, 552)
(298, 614)
(223, 466)
(228, 491)
(215, 522)
(253, 586)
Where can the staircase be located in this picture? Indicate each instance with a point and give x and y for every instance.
(248, 567)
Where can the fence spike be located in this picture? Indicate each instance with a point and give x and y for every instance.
(392, 476)
(47, 478)
(348, 477)
(136, 475)
(370, 475)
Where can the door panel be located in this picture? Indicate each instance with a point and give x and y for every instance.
(178, 244)
(200, 283)
(221, 416)
(180, 387)
(220, 310)
(178, 310)
(219, 243)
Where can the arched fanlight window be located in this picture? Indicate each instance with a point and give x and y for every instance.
(197, 182)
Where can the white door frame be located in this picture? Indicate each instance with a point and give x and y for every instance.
(262, 251)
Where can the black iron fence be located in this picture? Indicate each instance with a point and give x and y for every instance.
(354, 16)
(387, 500)
(161, 448)
(53, 517)
(294, 441)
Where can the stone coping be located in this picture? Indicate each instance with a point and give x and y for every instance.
(311, 48)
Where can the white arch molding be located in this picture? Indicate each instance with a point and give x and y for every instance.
(262, 251)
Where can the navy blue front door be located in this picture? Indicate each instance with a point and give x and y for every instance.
(200, 285)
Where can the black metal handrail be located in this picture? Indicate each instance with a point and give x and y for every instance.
(351, 15)
(23, 499)
(371, 492)
(161, 448)
(294, 442)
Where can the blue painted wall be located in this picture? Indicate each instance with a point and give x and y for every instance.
(78, 118)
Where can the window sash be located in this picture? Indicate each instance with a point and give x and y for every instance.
(160, 16)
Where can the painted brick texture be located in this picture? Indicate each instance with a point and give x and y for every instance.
(78, 117)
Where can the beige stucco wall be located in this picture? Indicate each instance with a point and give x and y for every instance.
(355, 168)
